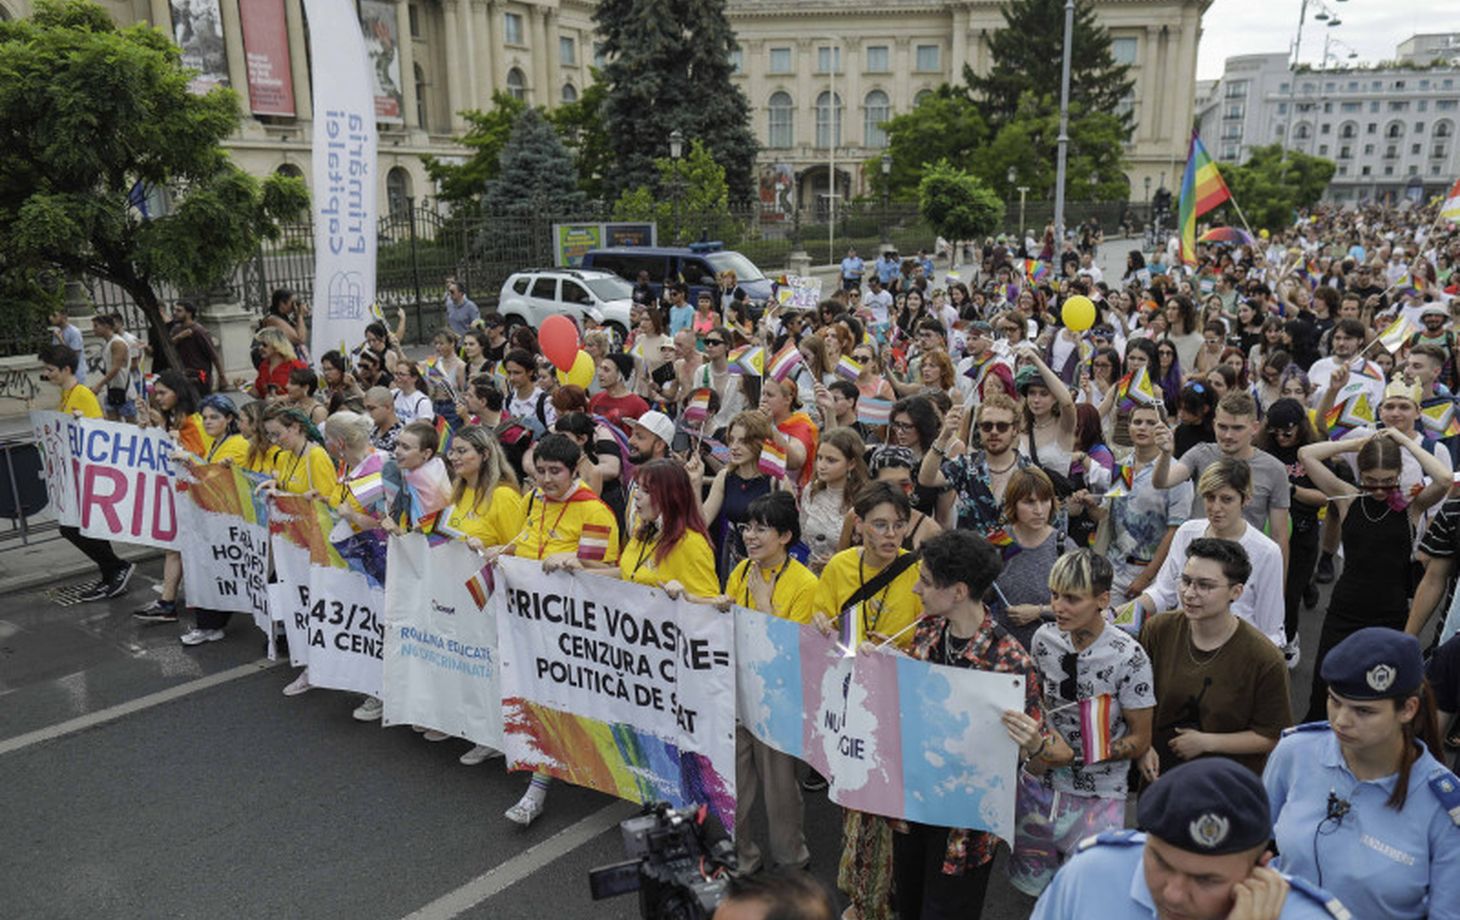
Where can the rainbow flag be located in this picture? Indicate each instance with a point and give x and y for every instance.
(1394, 337)
(444, 435)
(480, 585)
(751, 360)
(785, 362)
(1122, 482)
(848, 369)
(1202, 189)
(434, 374)
(852, 631)
(1095, 734)
(698, 407)
(1135, 389)
(873, 412)
(772, 461)
(593, 542)
(1440, 419)
(1002, 541)
(1354, 412)
(1036, 271)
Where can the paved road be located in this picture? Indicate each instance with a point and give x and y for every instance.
(142, 779)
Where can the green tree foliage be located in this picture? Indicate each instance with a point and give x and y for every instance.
(669, 68)
(696, 199)
(956, 204)
(1272, 185)
(485, 136)
(946, 125)
(1029, 142)
(88, 111)
(536, 174)
(581, 128)
(1027, 56)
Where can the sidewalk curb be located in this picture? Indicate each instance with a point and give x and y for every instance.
(68, 569)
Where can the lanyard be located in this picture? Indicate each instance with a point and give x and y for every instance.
(543, 531)
(752, 567)
(217, 444)
(870, 626)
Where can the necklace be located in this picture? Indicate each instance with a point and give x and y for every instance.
(1012, 463)
(1364, 506)
(951, 654)
(1040, 426)
(1211, 655)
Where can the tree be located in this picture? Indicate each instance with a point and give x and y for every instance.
(536, 174)
(669, 69)
(1272, 185)
(486, 135)
(580, 126)
(946, 125)
(1027, 56)
(1029, 143)
(956, 204)
(697, 201)
(89, 111)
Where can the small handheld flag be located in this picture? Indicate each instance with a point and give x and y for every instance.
(1440, 419)
(772, 460)
(480, 585)
(848, 368)
(1394, 337)
(852, 631)
(1095, 735)
(444, 435)
(873, 412)
(698, 407)
(785, 362)
(752, 360)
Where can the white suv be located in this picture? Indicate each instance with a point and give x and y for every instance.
(532, 295)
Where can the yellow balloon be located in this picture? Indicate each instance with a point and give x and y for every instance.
(580, 374)
(1078, 313)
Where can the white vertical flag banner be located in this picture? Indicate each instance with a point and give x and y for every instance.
(344, 176)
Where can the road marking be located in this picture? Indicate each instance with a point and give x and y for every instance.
(519, 867)
(112, 713)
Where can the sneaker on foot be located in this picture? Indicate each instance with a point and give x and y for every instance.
(479, 754)
(1291, 653)
(300, 685)
(369, 711)
(432, 734)
(159, 611)
(199, 636)
(1325, 573)
(1310, 595)
(525, 811)
(99, 591)
(116, 586)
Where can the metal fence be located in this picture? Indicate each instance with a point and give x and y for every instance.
(419, 248)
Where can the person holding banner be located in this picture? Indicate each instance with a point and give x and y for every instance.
(260, 456)
(59, 367)
(303, 466)
(174, 407)
(220, 424)
(738, 483)
(670, 545)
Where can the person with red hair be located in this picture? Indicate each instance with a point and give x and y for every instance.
(670, 547)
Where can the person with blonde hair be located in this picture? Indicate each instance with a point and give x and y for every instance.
(826, 501)
(278, 360)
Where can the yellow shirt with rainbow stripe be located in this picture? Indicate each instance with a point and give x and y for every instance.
(580, 524)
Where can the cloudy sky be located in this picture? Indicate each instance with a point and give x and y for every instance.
(1371, 27)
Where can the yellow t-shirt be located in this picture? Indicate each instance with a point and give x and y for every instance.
(265, 463)
(793, 595)
(555, 527)
(495, 524)
(690, 562)
(888, 612)
(315, 470)
(80, 399)
(233, 447)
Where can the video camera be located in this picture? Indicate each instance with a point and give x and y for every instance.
(680, 860)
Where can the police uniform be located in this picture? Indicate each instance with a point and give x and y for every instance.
(1338, 831)
(1212, 806)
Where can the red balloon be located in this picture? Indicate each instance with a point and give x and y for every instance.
(558, 339)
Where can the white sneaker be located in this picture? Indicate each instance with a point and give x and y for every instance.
(479, 754)
(525, 811)
(301, 684)
(1291, 653)
(199, 636)
(369, 711)
(432, 734)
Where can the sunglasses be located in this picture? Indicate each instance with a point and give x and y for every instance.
(862, 357)
(709, 342)
(1000, 427)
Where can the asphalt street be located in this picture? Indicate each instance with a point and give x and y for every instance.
(142, 779)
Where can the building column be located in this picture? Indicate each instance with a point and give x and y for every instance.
(298, 60)
(233, 48)
(467, 43)
(806, 92)
(1181, 88)
(409, 111)
(161, 14)
(539, 93)
(960, 43)
(552, 61)
(452, 64)
(488, 41)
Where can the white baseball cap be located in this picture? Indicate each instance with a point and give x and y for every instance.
(657, 423)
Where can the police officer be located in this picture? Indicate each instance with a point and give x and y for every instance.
(1202, 857)
(1361, 805)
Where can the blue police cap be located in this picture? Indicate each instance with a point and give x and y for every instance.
(1374, 664)
(1212, 806)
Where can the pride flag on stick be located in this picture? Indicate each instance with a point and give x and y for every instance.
(785, 362)
(1202, 189)
(698, 407)
(772, 461)
(852, 631)
(1095, 737)
(848, 369)
(873, 412)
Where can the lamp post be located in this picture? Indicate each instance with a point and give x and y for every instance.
(1064, 136)
(676, 150)
(1023, 190)
(1012, 177)
(886, 196)
(1323, 15)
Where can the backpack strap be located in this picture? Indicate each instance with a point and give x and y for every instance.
(882, 579)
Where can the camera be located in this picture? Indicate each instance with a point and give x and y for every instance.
(680, 860)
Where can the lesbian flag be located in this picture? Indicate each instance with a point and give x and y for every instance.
(1095, 738)
(593, 542)
(772, 460)
(785, 362)
(698, 407)
(480, 585)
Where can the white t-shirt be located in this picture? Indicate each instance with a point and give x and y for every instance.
(412, 406)
(1261, 604)
(1370, 382)
(879, 303)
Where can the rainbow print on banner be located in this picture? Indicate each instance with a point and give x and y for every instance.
(873, 412)
(593, 542)
(1440, 419)
(785, 362)
(1095, 736)
(772, 461)
(848, 369)
(480, 586)
(1202, 189)
(226, 490)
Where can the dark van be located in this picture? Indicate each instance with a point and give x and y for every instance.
(699, 265)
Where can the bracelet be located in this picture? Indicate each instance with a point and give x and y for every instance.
(940, 451)
(1039, 751)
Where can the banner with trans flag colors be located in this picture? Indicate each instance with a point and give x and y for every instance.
(441, 668)
(330, 594)
(895, 736)
(614, 686)
(226, 555)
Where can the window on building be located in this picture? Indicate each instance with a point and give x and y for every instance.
(780, 114)
(1368, 150)
(828, 120)
(1395, 129)
(780, 60)
(1303, 131)
(568, 51)
(1237, 89)
(413, 14)
(1328, 108)
(878, 111)
(1232, 133)
(1124, 50)
(829, 59)
(927, 58)
(1424, 84)
(1422, 106)
(1282, 108)
(878, 59)
(1376, 86)
(1399, 84)
(737, 61)
(1345, 152)
(1329, 87)
(1419, 127)
(1373, 106)
(1323, 150)
(570, 93)
(420, 79)
(1230, 151)
(1353, 86)
(1391, 151)
(1350, 106)
(1389, 170)
(1447, 83)
(1414, 149)
(516, 84)
(512, 28)
(1235, 110)
(1127, 105)
(1399, 105)
(600, 55)
(1439, 152)
(921, 95)
(1283, 87)
(398, 190)
(1434, 169)
(1348, 131)
(1446, 105)
(1342, 170)
(1373, 128)
(1443, 129)
(1308, 88)
(1364, 171)
(1324, 128)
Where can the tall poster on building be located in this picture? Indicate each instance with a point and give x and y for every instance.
(266, 50)
(343, 162)
(382, 42)
(197, 27)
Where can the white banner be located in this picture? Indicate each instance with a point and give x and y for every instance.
(441, 664)
(226, 555)
(344, 193)
(111, 479)
(614, 686)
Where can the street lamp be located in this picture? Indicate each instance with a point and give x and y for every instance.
(1023, 190)
(1062, 156)
(676, 150)
(1323, 15)
(1012, 177)
(886, 196)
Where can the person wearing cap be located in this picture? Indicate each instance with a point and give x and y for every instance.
(650, 436)
(982, 367)
(1360, 804)
(1436, 319)
(615, 402)
(1201, 854)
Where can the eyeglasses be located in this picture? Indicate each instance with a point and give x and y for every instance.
(1202, 585)
(901, 426)
(862, 358)
(1390, 483)
(1000, 427)
(885, 527)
